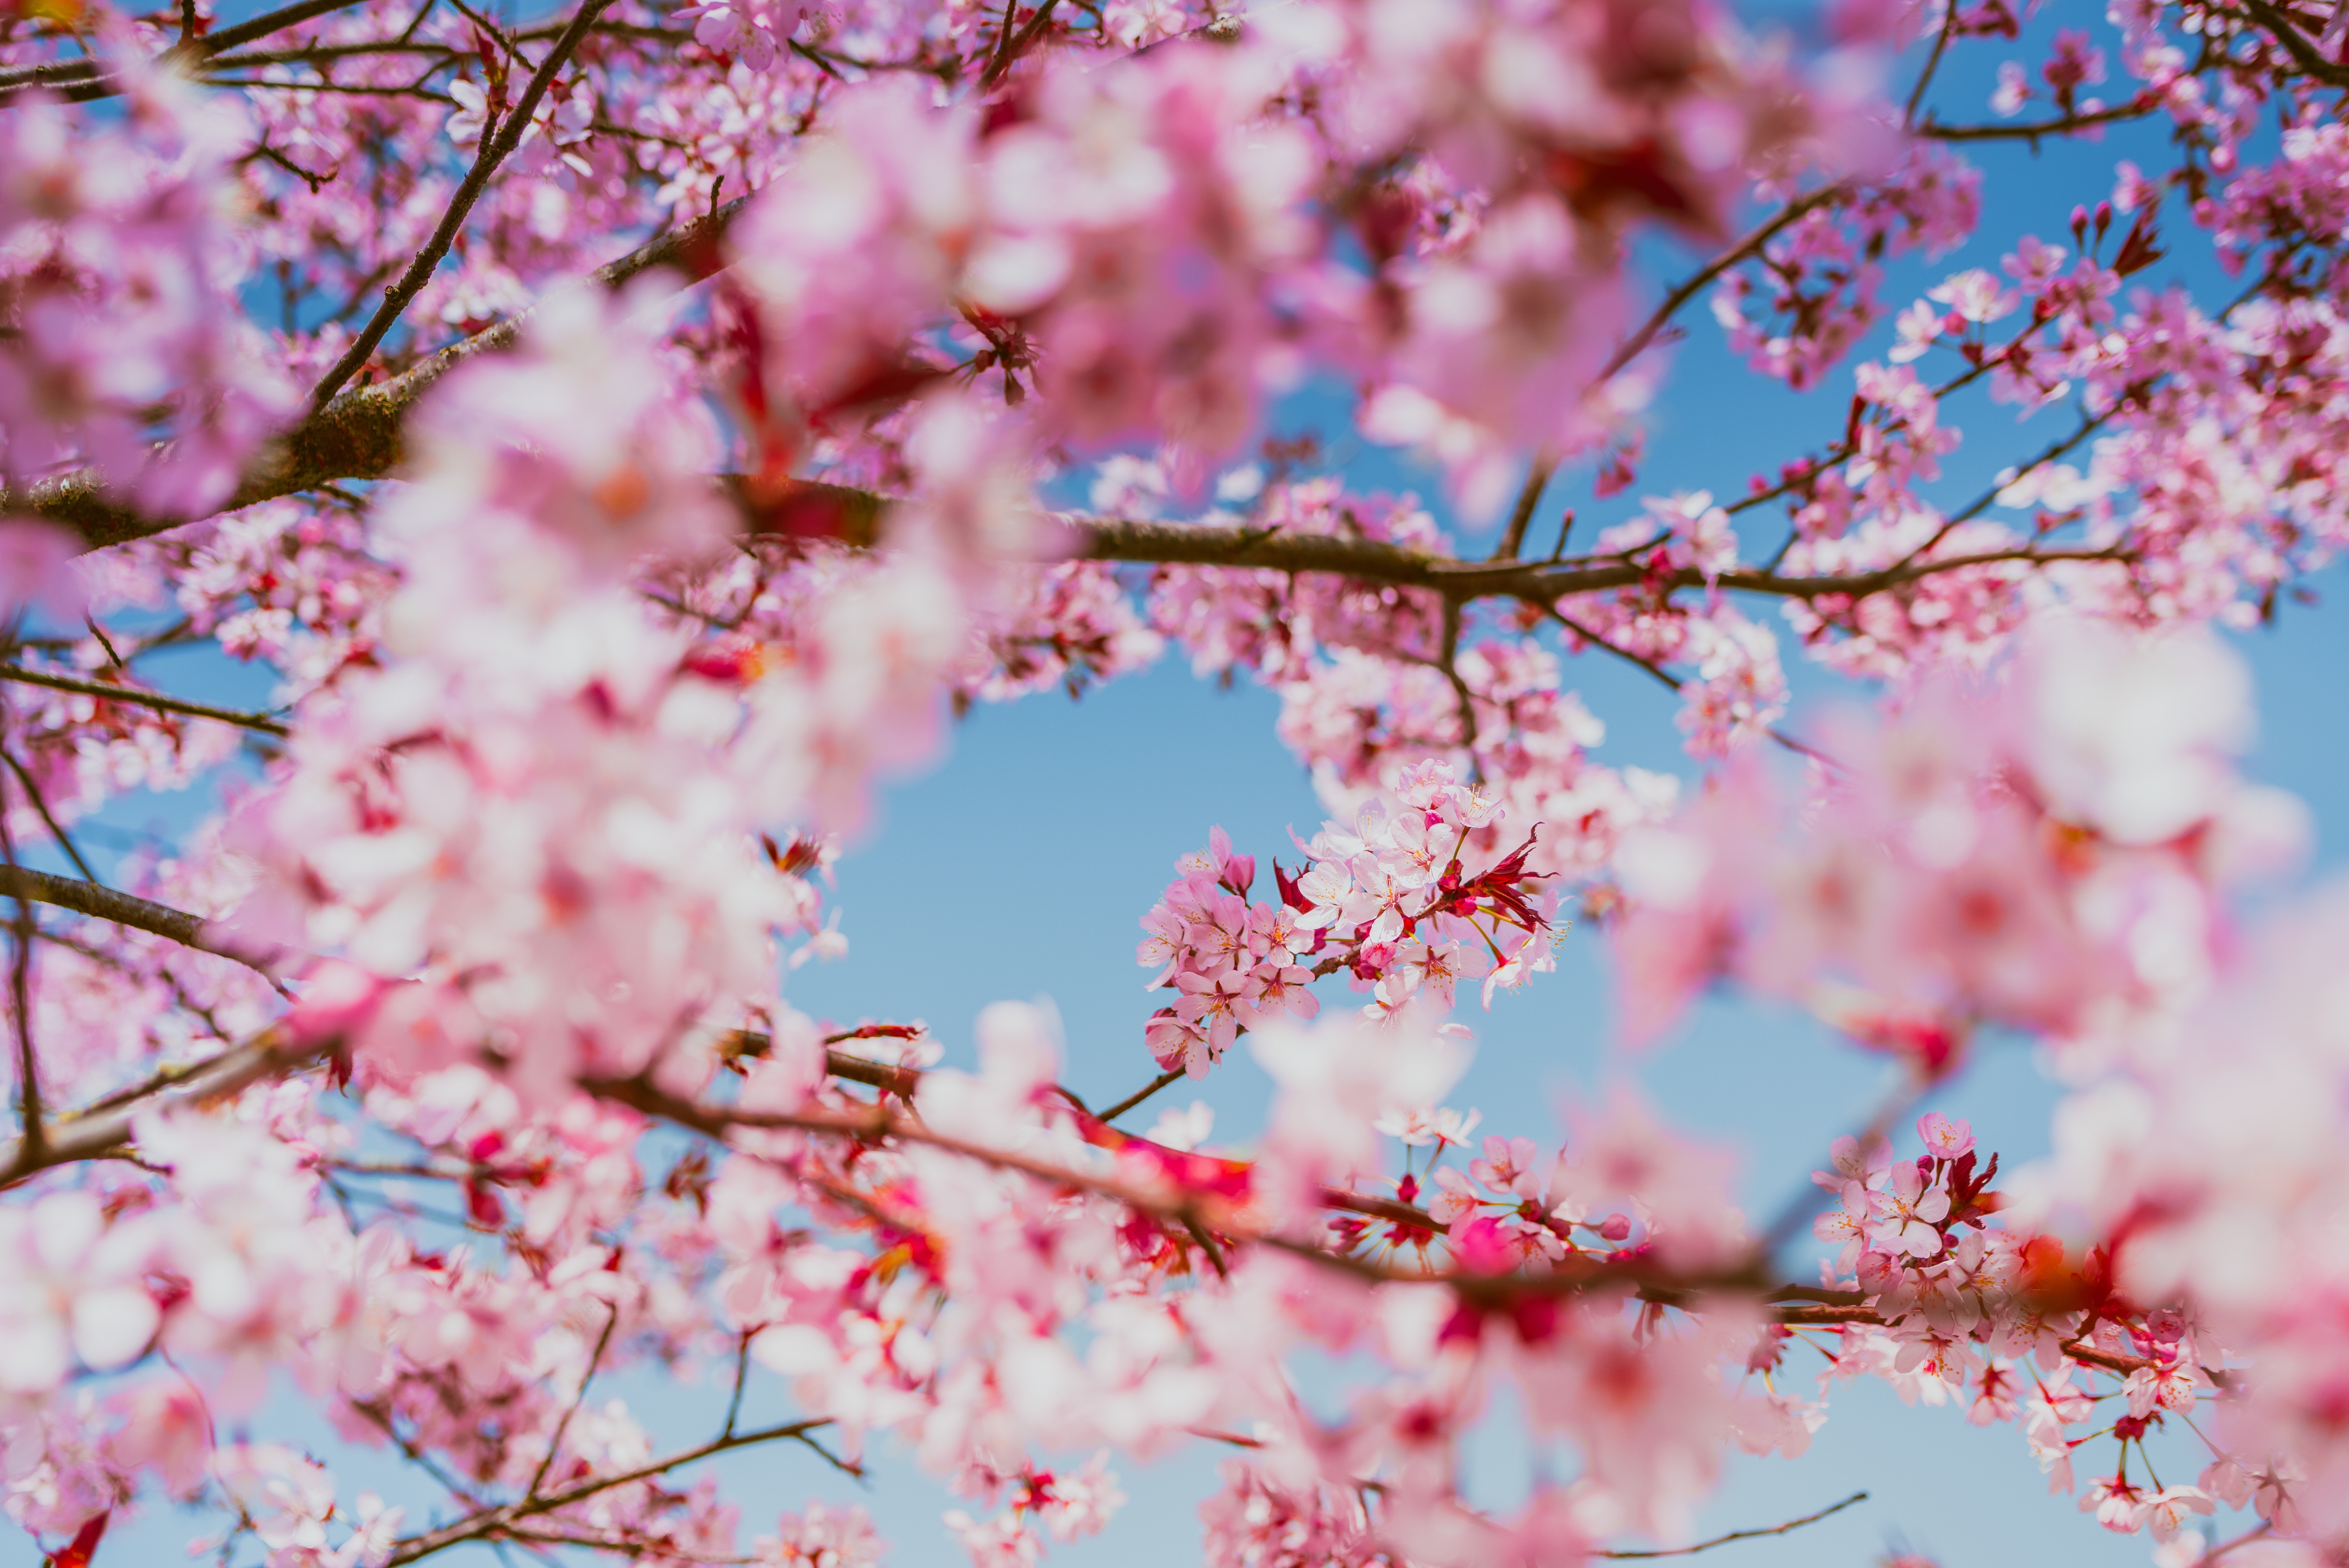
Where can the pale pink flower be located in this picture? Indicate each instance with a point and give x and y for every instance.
(1945, 1138)
(1912, 1208)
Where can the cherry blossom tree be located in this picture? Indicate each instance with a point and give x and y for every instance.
(624, 435)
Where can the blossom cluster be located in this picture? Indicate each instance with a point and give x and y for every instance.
(453, 1070)
(2047, 855)
(119, 270)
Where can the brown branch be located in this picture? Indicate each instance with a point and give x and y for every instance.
(1002, 44)
(495, 147)
(898, 1080)
(416, 90)
(1536, 582)
(1650, 666)
(903, 1081)
(375, 49)
(1394, 1209)
(81, 80)
(33, 1134)
(32, 789)
(102, 1132)
(359, 434)
(2296, 44)
(1579, 1273)
(1009, 56)
(112, 693)
(161, 920)
(1932, 64)
(1631, 347)
(1744, 1534)
(489, 1526)
(1447, 662)
(1982, 503)
(1513, 537)
(2135, 109)
(1800, 1306)
(1138, 1095)
(563, 1425)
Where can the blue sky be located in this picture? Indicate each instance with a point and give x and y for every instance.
(1019, 866)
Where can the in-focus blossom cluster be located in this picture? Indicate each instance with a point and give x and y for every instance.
(1364, 697)
(1388, 902)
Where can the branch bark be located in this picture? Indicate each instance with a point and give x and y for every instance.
(1744, 1534)
(154, 699)
(81, 80)
(496, 147)
(489, 1526)
(2296, 44)
(102, 1130)
(161, 920)
(357, 436)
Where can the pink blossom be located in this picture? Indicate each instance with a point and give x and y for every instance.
(1945, 1138)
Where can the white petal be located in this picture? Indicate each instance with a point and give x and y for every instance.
(113, 1326)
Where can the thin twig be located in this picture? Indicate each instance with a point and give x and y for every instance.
(2032, 130)
(1631, 347)
(2297, 44)
(1982, 503)
(56, 830)
(741, 1380)
(1744, 1534)
(994, 66)
(1138, 1095)
(495, 146)
(1932, 63)
(82, 80)
(489, 1524)
(33, 1137)
(1668, 678)
(1019, 43)
(1513, 537)
(349, 89)
(360, 435)
(1448, 661)
(1809, 1199)
(154, 699)
(595, 1359)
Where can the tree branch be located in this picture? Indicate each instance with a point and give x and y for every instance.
(112, 693)
(1536, 582)
(81, 80)
(32, 789)
(1744, 1534)
(30, 1117)
(1513, 537)
(1932, 64)
(595, 1359)
(1138, 1095)
(102, 1130)
(489, 1525)
(161, 920)
(1631, 347)
(2135, 109)
(496, 146)
(2296, 44)
(357, 435)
